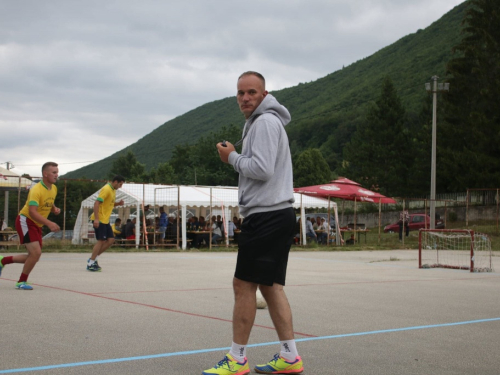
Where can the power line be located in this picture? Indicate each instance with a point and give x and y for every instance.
(334, 109)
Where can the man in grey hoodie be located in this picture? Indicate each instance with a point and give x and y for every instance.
(265, 199)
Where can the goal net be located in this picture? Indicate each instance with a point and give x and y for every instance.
(457, 249)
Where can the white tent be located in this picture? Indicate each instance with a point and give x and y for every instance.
(178, 199)
(11, 181)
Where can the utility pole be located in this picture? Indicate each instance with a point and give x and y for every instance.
(435, 89)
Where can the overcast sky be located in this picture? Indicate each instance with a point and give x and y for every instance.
(80, 80)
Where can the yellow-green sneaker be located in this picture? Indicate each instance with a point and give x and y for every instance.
(279, 365)
(229, 366)
(23, 285)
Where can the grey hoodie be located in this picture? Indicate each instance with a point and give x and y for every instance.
(265, 165)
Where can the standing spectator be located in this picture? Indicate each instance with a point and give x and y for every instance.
(103, 207)
(266, 188)
(162, 224)
(404, 221)
(31, 219)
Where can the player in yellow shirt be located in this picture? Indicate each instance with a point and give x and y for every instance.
(31, 219)
(103, 207)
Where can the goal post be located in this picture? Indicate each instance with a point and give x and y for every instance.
(454, 248)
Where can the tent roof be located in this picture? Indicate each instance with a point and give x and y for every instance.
(191, 196)
(10, 180)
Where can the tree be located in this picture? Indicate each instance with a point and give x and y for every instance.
(128, 167)
(310, 168)
(470, 134)
(164, 174)
(379, 153)
(200, 163)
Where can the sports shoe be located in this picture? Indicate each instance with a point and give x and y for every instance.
(279, 365)
(1, 265)
(97, 265)
(94, 267)
(229, 366)
(24, 286)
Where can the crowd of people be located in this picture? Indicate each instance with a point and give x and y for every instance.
(317, 230)
(164, 227)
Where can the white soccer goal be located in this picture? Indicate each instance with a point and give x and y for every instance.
(457, 249)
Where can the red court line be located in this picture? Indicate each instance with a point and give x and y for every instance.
(163, 290)
(155, 307)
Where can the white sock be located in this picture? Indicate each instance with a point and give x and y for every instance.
(91, 262)
(289, 350)
(238, 352)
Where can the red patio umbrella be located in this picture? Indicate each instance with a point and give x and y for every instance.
(344, 188)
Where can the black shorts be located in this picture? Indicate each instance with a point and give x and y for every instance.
(264, 245)
(103, 232)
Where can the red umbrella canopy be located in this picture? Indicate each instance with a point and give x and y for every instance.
(345, 189)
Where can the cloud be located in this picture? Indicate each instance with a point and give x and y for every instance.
(81, 80)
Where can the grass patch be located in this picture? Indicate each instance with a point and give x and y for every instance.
(387, 241)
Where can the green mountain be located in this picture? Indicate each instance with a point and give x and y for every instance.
(324, 112)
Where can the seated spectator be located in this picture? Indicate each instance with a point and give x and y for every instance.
(296, 239)
(231, 227)
(171, 232)
(216, 232)
(325, 227)
(149, 225)
(236, 222)
(310, 233)
(195, 224)
(116, 227)
(202, 223)
(130, 230)
(317, 223)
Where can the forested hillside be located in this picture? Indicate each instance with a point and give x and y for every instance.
(326, 112)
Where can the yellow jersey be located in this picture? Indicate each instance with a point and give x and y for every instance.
(40, 196)
(116, 231)
(107, 197)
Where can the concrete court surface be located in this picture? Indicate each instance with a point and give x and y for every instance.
(358, 312)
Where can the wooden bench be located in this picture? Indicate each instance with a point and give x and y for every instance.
(123, 242)
(9, 243)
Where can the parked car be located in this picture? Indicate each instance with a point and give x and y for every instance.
(58, 235)
(417, 221)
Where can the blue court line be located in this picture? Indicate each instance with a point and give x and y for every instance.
(174, 354)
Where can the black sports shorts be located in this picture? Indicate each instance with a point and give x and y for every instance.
(103, 232)
(264, 245)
